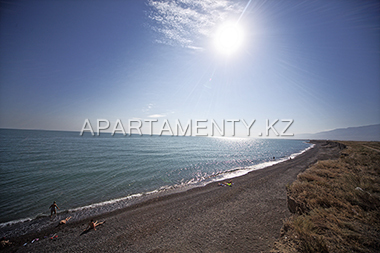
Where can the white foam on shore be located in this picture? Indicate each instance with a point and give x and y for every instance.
(114, 201)
(108, 202)
(237, 172)
(9, 223)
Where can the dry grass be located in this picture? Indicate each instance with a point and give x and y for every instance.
(339, 204)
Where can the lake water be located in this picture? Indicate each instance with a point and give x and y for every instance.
(90, 172)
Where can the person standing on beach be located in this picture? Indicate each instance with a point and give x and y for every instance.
(53, 209)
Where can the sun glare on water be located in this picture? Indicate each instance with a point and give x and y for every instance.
(228, 38)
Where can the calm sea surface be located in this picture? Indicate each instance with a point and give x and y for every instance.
(79, 172)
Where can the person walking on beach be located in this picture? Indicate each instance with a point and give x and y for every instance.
(53, 209)
(93, 224)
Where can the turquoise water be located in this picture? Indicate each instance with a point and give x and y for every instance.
(39, 167)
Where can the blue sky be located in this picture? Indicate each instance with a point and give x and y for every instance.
(316, 62)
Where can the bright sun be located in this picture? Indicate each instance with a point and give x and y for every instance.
(228, 38)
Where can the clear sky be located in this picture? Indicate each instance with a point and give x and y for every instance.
(316, 62)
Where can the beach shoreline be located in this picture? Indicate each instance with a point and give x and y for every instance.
(245, 217)
(41, 221)
(107, 173)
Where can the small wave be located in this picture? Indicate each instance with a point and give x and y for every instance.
(108, 202)
(9, 223)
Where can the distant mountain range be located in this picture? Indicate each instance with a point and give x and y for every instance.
(363, 133)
